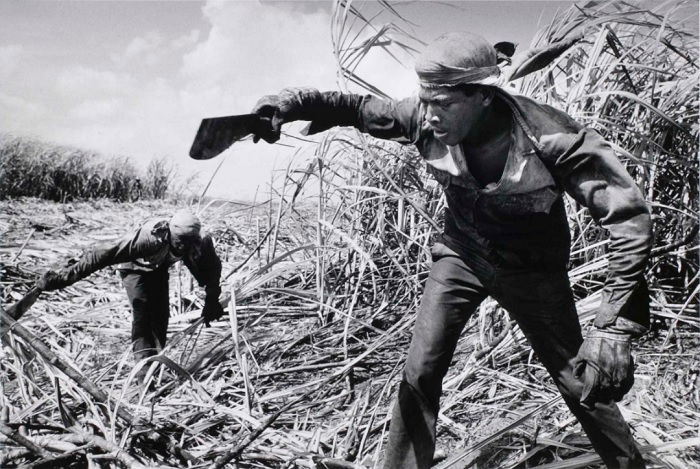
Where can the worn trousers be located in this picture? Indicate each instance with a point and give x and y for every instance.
(150, 304)
(542, 304)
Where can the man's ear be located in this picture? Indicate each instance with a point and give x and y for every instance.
(487, 94)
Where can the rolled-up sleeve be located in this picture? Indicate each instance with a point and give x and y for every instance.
(389, 119)
(382, 118)
(585, 165)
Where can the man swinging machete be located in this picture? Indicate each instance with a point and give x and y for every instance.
(143, 258)
(504, 162)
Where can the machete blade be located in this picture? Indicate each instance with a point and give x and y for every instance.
(216, 134)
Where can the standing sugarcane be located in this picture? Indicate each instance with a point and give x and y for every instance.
(504, 162)
(144, 257)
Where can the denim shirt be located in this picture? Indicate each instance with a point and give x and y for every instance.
(518, 221)
(521, 218)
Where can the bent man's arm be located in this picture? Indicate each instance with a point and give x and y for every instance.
(205, 267)
(588, 169)
(146, 241)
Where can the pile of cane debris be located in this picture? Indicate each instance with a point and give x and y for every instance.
(287, 380)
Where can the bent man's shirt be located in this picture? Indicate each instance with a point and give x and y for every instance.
(520, 220)
(148, 249)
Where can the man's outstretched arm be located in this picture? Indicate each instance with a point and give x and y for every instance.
(146, 241)
(386, 119)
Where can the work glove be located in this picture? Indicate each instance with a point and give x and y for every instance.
(212, 309)
(287, 106)
(52, 280)
(604, 363)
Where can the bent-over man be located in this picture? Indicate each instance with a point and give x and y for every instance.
(144, 257)
(504, 162)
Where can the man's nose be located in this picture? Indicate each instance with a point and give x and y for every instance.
(431, 115)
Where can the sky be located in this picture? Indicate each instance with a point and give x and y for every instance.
(136, 78)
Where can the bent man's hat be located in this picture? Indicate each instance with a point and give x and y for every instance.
(185, 225)
(458, 58)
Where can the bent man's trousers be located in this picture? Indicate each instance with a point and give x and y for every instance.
(543, 305)
(150, 304)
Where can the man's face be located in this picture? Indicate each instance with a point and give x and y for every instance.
(181, 245)
(452, 113)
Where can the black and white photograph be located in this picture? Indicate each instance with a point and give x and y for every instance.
(349, 234)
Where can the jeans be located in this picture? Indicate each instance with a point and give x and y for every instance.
(150, 303)
(542, 304)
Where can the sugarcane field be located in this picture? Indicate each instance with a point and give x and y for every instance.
(464, 234)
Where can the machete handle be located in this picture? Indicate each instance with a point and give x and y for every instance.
(18, 309)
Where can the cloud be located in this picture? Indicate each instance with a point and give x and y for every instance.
(145, 48)
(19, 112)
(186, 41)
(153, 49)
(79, 81)
(96, 109)
(10, 57)
(254, 49)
